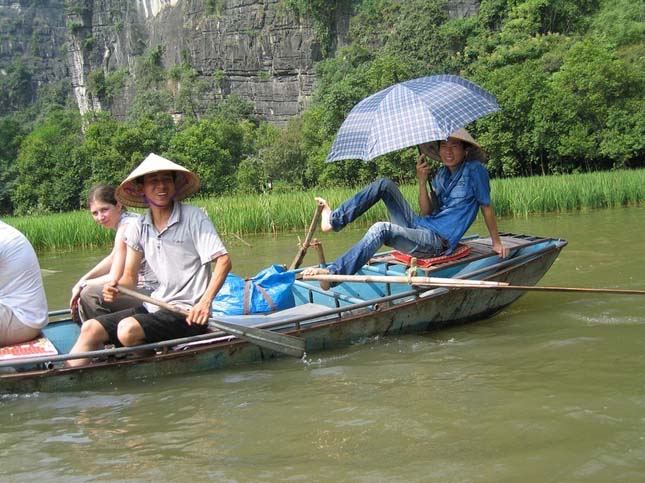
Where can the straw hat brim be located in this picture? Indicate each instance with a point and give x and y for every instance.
(475, 151)
(186, 182)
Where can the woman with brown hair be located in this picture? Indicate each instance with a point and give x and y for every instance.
(87, 295)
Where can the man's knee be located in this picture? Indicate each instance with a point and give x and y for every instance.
(379, 230)
(386, 185)
(130, 332)
(93, 331)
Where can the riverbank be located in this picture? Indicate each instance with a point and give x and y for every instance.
(284, 212)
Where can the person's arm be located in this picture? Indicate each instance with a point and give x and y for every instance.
(426, 205)
(118, 255)
(97, 274)
(201, 311)
(491, 225)
(129, 277)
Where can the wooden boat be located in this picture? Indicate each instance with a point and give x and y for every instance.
(347, 313)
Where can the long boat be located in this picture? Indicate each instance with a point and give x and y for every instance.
(373, 303)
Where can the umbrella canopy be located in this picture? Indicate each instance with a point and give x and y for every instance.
(409, 113)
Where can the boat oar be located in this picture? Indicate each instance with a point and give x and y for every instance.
(459, 283)
(275, 341)
(436, 281)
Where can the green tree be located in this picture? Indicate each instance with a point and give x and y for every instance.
(11, 135)
(50, 148)
(212, 149)
(112, 149)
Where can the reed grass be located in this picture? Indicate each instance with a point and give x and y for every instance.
(62, 231)
(284, 212)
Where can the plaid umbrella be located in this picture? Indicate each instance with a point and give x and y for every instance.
(409, 113)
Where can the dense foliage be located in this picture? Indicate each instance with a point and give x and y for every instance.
(568, 75)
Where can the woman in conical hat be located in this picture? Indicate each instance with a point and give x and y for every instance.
(181, 246)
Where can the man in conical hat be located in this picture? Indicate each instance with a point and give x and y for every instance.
(459, 189)
(181, 246)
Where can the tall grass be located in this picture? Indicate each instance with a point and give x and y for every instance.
(523, 196)
(282, 212)
(62, 230)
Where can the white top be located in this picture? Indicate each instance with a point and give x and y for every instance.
(21, 283)
(147, 279)
(180, 256)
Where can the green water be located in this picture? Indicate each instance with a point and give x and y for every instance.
(549, 390)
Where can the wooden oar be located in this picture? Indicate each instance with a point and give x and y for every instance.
(275, 341)
(458, 283)
(305, 244)
(435, 281)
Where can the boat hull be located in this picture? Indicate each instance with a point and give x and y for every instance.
(411, 311)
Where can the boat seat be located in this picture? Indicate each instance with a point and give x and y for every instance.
(272, 320)
(398, 258)
(40, 346)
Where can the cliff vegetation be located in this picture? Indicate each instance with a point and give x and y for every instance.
(568, 74)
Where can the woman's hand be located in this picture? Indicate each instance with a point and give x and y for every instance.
(76, 295)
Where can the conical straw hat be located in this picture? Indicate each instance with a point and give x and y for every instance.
(475, 151)
(186, 182)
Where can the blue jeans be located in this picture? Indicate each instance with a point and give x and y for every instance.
(402, 232)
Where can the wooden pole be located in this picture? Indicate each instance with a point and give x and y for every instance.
(452, 282)
(305, 244)
(458, 283)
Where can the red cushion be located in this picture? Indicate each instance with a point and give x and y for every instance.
(33, 348)
(461, 251)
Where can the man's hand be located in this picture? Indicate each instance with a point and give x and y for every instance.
(110, 291)
(500, 249)
(423, 169)
(199, 313)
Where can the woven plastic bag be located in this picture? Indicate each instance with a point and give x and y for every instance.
(268, 291)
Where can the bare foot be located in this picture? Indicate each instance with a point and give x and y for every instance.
(324, 284)
(325, 224)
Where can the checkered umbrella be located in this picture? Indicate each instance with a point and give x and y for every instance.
(409, 113)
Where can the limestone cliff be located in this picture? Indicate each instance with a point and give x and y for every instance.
(257, 49)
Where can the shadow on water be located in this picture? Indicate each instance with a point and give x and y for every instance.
(548, 390)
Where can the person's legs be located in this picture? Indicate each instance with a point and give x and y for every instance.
(12, 331)
(96, 332)
(399, 210)
(92, 305)
(93, 334)
(164, 325)
(414, 241)
(130, 332)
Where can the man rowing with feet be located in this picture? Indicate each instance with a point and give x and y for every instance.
(459, 189)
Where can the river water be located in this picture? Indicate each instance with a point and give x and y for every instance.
(551, 389)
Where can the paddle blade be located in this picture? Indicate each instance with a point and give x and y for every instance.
(283, 343)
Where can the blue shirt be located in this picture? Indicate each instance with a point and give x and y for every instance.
(460, 195)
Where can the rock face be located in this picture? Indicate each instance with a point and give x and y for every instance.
(32, 47)
(257, 49)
